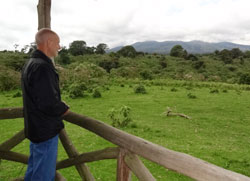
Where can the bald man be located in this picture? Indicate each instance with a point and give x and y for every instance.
(43, 108)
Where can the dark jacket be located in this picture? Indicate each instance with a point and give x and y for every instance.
(43, 108)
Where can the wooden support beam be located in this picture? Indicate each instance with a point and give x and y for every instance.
(43, 10)
(82, 169)
(123, 172)
(11, 113)
(12, 142)
(138, 168)
(13, 156)
(107, 153)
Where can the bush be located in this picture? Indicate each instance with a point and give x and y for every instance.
(198, 64)
(96, 94)
(17, 94)
(9, 79)
(120, 118)
(127, 51)
(191, 96)
(213, 91)
(174, 90)
(140, 89)
(76, 90)
(245, 78)
(109, 64)
(146, 75)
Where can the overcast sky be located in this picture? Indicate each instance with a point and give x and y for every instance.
(124, 22)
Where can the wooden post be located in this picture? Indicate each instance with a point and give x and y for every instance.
(138, 168)
(43, 10)
(12, 142)
(123, 171)
(82, 169)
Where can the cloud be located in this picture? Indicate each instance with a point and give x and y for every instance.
(120, 22)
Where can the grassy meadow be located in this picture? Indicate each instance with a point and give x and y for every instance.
(218, 131)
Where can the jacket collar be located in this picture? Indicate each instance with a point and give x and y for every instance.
(39, 54)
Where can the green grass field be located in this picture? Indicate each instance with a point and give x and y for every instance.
(218, 131)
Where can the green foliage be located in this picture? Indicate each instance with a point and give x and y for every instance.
(109, 64)
(127, 51)
(245, 78)
(76, 90)
(173, 89)
(214, 91)
(96, 94)
(163, 63)
(101, 48)
(120, 118)
(247, 54)
(77, 47)
(63, 57)
(192, 57)
(178, 51)
(140, 89)
(226, 56)
(236, 53)
(198, 64)
(17, 94)
(9, 79)
(191, 96)
(146, 75)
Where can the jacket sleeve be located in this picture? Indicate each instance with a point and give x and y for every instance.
(45, 92)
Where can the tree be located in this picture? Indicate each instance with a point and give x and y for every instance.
(63, 57)
(127, 51)
(236, 53)
(247, 54)
(77, 47)
(226, 56)
(101, 48)
(109, 64)
(178, 51)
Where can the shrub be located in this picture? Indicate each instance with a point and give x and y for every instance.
(9, 79)
(198, 64)
(245, 78)
(17, 94)
(174, 90)
(76, 90)
(140, 89)
(96, 94)
(191, 96)
(214, 91)
(128, 51)
(192, 57)
(120, 118)
(109, 64)
(146, 75)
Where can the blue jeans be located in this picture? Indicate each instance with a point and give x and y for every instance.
(42, 161)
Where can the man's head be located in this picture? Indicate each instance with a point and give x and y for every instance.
(48, 42)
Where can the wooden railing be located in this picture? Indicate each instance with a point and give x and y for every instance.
(129, 146)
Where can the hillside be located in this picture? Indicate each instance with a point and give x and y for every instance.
(196, 47)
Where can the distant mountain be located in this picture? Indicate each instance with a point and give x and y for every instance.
(199, 47)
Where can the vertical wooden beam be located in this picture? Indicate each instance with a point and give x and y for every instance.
(43, 10)
(82, 169)
(123, 171)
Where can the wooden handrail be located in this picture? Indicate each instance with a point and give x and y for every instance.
(176, 161)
